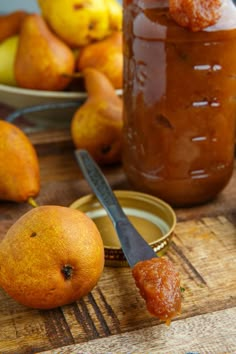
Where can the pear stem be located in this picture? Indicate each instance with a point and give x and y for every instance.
(74, 75)
(32, 202)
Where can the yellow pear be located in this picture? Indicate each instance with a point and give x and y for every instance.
(8, 50)
(115, 14)
(42, 59)
(50, 257)
(19, 167)
(81, 22)
(97, 124)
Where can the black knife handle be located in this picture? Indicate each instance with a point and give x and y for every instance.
(99, 185)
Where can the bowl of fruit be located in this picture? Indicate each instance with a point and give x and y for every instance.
(44, 55)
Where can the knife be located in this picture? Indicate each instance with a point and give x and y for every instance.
(135, 248)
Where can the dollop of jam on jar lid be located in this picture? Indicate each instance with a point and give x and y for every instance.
(159, 284)
(179, 98)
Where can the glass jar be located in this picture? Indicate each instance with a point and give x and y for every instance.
(179, 103)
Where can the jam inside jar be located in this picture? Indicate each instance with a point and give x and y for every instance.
(179, 103)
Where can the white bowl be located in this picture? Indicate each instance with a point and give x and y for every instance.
(19, 98)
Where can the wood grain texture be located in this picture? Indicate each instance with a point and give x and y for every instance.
(201, 334)
(113, 317)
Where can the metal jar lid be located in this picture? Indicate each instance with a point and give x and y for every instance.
(153, 218)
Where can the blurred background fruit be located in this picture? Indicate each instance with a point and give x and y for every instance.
(79, 23)
(42, 59)
(10, 23)
(8, 48)
(47, 62)
(19, 179)
(105, 56)
(115, 14)
(97, 124)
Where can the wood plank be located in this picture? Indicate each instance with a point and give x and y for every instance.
(203, 249)
(115, 306)
(50, 137)
(213, 333)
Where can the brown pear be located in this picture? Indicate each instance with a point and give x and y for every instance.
(106, 56)
(10, 24)
(19, 167)
(51, 256)
(42, 61)
(97, 125)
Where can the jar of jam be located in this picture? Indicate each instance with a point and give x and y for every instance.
(179, 103)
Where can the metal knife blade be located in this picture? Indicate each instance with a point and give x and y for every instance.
(135, 248)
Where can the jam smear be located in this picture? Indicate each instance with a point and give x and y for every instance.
(159, 284)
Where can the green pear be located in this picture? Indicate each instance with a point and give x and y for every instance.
(8, 50)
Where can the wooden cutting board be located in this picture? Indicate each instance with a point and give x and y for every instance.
(114, 315)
